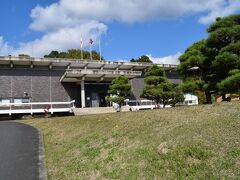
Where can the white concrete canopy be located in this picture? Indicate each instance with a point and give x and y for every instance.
(77, 64)
(91, 70)
(96, 75)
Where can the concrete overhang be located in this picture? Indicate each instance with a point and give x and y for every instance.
(73, 75)
(77, 64)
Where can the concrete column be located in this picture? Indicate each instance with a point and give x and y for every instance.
(83, 94)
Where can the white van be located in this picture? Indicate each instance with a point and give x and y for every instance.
(190, 99)
(135, 105)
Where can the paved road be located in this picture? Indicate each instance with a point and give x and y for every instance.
(18, 152)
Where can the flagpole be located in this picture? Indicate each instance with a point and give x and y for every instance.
(100, 52)
(90, 51)
(90, 45)
(81, 54)
(81, 49)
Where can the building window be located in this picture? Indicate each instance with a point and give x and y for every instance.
(21, 100)
(5, 101)
(26, 100)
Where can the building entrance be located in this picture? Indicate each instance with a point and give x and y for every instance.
(96, 95)
(98, 100)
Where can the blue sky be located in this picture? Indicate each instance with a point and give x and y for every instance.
(162, 29)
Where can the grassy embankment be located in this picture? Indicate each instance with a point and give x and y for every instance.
(200, 142)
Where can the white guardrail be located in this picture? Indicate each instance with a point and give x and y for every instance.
(36, 107)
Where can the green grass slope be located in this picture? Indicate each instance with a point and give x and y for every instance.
(201, 142)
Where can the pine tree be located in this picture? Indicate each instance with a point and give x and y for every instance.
(119, 90)
(159, 89)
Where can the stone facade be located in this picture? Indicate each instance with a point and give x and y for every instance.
(43, 85)
(138, 83)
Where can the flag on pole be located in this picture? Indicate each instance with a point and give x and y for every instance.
(90, 41)
(90, 44)
(81, 42)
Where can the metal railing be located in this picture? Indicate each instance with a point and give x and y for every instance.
(36, 107)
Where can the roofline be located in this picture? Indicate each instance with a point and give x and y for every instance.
(81, 62)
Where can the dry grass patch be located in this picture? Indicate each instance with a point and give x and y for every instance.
(200, 142)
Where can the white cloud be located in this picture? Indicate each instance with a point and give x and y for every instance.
(65, 21)
(171, 59)
(5, 49)
(222, 9)
(71, 12)
(63, 39)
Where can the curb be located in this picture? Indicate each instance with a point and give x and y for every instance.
(41, 157)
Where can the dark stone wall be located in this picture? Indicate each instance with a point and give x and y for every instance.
(5, 84)
(45, 85)
(174, 77)
(40, 86)
(20, 83)
(138, 83)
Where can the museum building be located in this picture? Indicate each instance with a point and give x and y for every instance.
(25, 80)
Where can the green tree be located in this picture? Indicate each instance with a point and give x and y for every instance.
(74, 54)
(208, 62)
(224, 39)
(195, 70)
(23, 56)
(177, 96)
(231, 84)
(158, 88)
(144, 59)
(119, 90)
(52, 54)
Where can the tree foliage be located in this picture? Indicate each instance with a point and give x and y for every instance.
(24, 56)
(231, 84)
(189, 87)
(177, 97)
(208, 62)
(158, 88)
(74, 54)
(142, 59)
(119, 90)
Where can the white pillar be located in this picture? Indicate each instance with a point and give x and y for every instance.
(83, 94)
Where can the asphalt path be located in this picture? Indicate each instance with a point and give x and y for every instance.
(19, 151)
